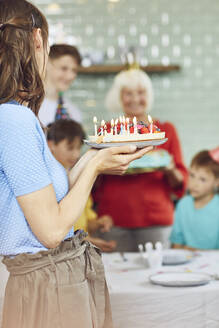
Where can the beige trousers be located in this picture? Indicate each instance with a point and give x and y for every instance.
(63, 287)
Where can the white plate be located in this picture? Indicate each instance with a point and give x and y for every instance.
(139, 144)
(176, 256)
(180, 279)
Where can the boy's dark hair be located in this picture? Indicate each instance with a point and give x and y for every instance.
(59, 50)
(203, 159)
(65, 129)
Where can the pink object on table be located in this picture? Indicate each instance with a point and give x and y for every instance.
(214, 153)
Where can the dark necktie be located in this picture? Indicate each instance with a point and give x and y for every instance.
(61, 111)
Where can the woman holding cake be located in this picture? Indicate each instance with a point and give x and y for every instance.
(141, 204)
(56, 277)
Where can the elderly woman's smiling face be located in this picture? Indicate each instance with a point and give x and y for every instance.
(134, 101)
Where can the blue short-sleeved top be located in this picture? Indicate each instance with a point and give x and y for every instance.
(197, 228)
(26, 165)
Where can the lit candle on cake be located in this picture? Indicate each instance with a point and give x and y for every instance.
(135, 125)
(112, 125)
(116, 122)
(151, 123)
(121, 125)
(102, 127)
(127, 123)
(124, 125)
(105, 130)
(95, 125)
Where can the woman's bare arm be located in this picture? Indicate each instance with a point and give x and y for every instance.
(79, 166)
(50, 221)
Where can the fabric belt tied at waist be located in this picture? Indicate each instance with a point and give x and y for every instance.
(51, 260)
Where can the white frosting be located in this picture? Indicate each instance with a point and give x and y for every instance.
(127, 137)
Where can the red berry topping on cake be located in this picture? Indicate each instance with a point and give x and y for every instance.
(144, 130)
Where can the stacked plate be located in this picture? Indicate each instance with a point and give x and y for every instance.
(176, 256)
(180, 279)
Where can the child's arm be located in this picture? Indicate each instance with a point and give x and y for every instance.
(192, 248)
(177, 246)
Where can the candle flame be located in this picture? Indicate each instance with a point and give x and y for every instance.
(127, 120)
(116, 121)
(112, 122)
(102, 123)
(134, 120)
(94, 119)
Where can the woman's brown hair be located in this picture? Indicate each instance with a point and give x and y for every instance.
(19, 73)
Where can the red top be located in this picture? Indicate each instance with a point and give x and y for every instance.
(142, 200)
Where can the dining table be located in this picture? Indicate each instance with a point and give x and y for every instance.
(137, 303)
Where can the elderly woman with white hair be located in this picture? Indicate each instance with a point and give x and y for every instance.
(141, 205)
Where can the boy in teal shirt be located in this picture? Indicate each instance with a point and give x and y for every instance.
(196, 224)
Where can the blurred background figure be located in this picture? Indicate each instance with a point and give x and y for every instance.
(141, 205)
(61, 72)
(65, 138)
(180, 57)
(196, 224)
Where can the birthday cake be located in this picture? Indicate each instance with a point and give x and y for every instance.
(126, 130)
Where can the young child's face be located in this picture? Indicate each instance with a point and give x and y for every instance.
(66, 153)
(62, 72)
(202, 182)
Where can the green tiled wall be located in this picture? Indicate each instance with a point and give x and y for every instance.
(181, 32)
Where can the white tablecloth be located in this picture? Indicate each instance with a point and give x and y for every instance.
(136, 303)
